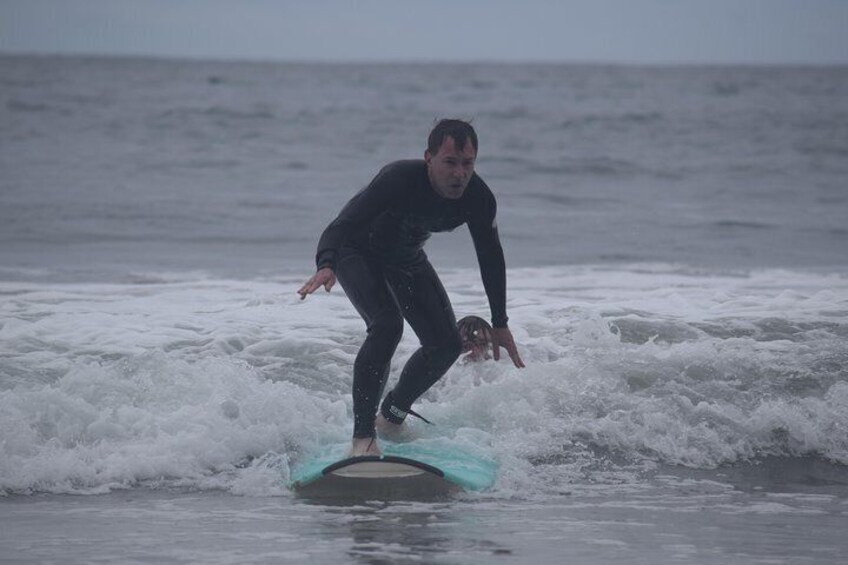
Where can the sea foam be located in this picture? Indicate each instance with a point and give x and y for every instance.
(222, 384)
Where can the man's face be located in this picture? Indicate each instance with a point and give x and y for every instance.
(476, 337)
(450, 169)
(476, 351)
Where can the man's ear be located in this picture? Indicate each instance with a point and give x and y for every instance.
(427, 156)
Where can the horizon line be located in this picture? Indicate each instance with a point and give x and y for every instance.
(251, 59)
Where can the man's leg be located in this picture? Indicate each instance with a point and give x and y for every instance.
(364, 282)
(426, 307)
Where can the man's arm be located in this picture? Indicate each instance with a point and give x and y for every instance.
(490, 256)
(366, 205)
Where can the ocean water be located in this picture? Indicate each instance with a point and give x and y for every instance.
(678, 287)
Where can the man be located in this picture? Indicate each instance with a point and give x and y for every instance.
(375, 249)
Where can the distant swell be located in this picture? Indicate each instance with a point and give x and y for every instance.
(592, 120)
(220, 112)
(596, 166)
(743, 224)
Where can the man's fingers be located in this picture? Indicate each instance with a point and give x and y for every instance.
(512, 351)
(516, 358)
(504, 339)
(310, 287)
(303, 291)
(324, 278)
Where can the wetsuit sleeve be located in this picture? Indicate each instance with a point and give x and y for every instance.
(360, 210)
(484, 231)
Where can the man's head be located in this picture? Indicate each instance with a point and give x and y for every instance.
(476, 336)
(450, 156)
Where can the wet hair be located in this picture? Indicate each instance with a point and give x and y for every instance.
(474, 331)
(461, 132)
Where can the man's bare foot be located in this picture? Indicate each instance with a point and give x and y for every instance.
(364, 446)
(392, 432)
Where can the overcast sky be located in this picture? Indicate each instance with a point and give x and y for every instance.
(643, 31)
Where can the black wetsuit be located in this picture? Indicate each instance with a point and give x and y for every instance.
(375, 248)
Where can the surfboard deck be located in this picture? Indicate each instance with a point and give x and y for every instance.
(414, 470)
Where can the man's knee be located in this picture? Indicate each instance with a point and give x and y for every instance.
(447, 349)
(387, 325)
(448, 345)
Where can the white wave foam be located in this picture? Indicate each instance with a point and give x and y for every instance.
(222, 384)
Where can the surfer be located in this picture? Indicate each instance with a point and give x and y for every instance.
(374, 248)
(476, 336)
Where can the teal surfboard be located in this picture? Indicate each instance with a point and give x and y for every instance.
(421, 468)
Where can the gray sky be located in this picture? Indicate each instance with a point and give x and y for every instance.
(646, 31)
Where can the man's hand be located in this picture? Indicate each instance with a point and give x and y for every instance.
(502, 337)
(324, 277)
